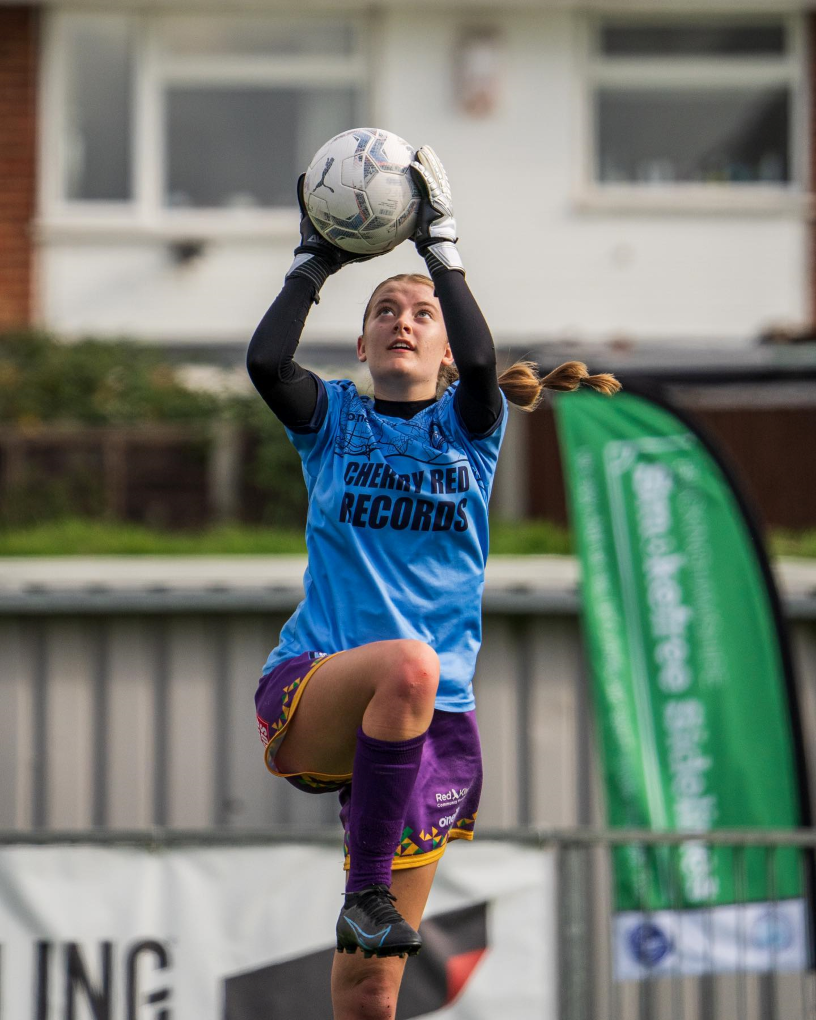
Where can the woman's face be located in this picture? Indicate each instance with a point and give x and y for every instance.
(404, 341)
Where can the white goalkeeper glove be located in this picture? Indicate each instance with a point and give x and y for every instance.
(435, 235)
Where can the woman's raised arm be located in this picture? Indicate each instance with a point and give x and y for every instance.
(290, 391)
(478, 397)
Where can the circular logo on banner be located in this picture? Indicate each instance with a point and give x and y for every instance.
(772, 930)
(649, 944)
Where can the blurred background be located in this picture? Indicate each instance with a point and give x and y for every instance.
(633, 187)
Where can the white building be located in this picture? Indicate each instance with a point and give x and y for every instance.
(620, 170)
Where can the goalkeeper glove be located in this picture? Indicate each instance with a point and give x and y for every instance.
(315, 257)
(435, 235)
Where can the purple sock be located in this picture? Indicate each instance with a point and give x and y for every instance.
(384, 777)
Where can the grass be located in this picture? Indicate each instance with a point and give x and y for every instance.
(794, 543)
(98, 538)
(525, 538)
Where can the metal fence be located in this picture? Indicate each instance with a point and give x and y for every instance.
(580, 916)
(588, 988)
(133, 708)
(130, 705)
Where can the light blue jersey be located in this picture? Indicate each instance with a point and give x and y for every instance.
(397, 534)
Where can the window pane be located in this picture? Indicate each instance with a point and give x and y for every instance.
(214, 36)
(98, 109)
(659, 136)
(689, 40)
(245, 147)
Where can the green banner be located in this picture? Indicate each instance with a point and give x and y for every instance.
(688, 674)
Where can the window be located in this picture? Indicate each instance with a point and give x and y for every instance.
(244, 147)
(98, 110)
(205, 115)
(682, 104)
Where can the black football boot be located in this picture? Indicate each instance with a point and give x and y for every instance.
(369, 921)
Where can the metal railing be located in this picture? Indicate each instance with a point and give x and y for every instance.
(132, 706)
(131, 710)
(581, 917)
(589, 989)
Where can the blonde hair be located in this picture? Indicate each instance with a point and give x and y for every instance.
(521, 382)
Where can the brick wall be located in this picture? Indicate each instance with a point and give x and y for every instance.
(810, 75)
(18, 78)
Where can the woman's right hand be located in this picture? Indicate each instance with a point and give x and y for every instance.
(315, 257)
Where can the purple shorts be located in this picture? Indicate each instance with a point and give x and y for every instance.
(445, 798)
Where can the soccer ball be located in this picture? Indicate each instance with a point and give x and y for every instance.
(359, 191)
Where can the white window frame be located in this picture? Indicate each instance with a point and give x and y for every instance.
(145, 214)
(691, 72)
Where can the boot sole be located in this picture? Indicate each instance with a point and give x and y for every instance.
(381, 954)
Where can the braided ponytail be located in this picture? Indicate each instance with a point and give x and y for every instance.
(520, 383)
(524, 388)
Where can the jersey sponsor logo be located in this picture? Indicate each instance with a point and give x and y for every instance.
(360, 510)
(423, 439)
(379, 475)
(402, 513)
(453, 800)
(452, 796)
(263, 729)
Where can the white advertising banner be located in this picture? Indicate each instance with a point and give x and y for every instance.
(756, 937)
(246, 933)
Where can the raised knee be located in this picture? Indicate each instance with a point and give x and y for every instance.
(414, 676)
(374, 997)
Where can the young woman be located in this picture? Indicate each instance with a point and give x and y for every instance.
(369, 690)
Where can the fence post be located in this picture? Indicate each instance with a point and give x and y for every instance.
(574, 933)
(115, 468)
(222, 470)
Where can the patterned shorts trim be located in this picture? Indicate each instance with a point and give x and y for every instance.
(276, 700)
(428, 847)
(445, 800)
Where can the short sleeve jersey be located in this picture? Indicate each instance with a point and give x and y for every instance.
(397, 534)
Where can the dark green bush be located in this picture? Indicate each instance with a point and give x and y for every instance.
(108, 383)
(275, 493)
(91, 382)
(38, 497)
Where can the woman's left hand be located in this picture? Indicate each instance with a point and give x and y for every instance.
(435, 235)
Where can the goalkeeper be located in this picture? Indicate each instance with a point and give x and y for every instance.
(368, 692)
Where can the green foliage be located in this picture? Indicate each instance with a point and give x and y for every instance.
(38, 496)
(92, 382)
(273, 469)
(793, 543)
(116, 383)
